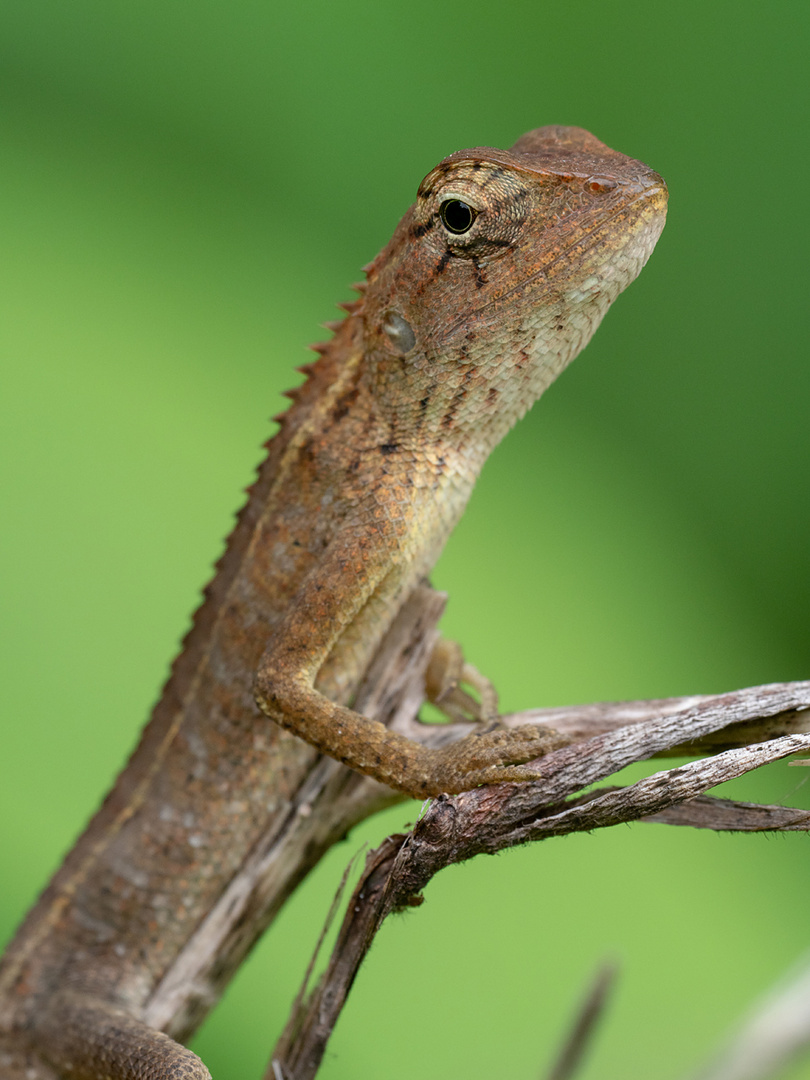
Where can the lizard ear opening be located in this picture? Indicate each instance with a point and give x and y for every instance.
(399, 332)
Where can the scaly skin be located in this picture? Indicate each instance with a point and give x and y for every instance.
(466, 317)
(457, 335)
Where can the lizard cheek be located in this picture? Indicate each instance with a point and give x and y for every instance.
(398, 332)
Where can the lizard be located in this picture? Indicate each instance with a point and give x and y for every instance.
(492, 283)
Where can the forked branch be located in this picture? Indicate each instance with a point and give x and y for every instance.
(492, 818)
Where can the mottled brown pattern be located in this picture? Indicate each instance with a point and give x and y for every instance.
(560, 224)
(371, 468)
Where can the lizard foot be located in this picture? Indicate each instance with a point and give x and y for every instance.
(447, 673)
(487, 756)
(493, 757)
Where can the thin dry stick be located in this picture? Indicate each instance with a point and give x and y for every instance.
(299, 1051)
(297, 1010)
(581, 722)
(590, 1013)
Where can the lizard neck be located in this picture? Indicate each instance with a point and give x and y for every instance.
(456, 400)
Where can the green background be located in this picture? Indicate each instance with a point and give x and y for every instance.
(187, 189)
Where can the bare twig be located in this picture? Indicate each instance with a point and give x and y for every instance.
(663, 790)
(582, 722)
(298, 1011)
(581, 1035)
(301, 1047)
(726, 815)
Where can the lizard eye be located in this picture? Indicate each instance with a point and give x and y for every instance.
(457, 217)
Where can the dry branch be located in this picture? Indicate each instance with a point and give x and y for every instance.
(492, 818)
(581, 1035)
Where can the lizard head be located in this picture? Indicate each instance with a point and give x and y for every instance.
(498, 276)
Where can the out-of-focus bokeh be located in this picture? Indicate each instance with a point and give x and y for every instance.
(187, 189)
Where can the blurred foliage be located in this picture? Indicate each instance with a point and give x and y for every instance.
(186, 191)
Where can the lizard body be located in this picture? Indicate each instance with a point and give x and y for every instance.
(493, 281)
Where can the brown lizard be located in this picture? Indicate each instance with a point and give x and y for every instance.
(493, 281)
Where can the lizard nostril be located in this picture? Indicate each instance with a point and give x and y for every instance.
(599, 184)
